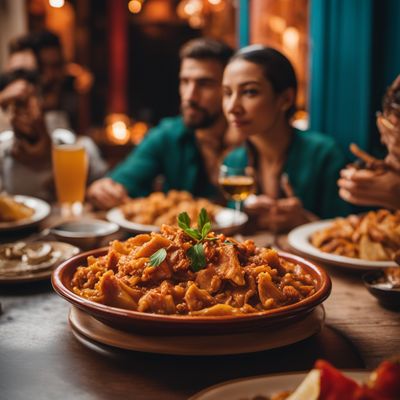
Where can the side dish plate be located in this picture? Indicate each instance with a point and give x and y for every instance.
(299, 241)
(41, 211)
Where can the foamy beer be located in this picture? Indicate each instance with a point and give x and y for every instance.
(70, 165)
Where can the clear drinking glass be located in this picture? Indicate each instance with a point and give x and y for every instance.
(236, 184)
(70, 166)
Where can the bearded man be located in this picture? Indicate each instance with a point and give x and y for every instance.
(184, 150)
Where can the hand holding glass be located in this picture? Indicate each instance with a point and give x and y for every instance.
(70, 165)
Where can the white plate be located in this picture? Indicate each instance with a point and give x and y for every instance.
(269, 385)
(227, 221)
(204, 345)
(299, 240)
(41, 211)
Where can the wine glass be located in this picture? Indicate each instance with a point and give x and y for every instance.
(237, 183)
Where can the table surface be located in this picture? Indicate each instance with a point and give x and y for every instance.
(41, 359)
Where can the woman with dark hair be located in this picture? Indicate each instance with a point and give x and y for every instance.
(296, 172)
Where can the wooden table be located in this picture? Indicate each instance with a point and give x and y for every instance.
(41, 359)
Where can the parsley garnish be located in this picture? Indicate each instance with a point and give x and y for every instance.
(197, 257)
(158, 257)
(196, 253)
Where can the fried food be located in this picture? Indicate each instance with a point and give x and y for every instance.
(374, 236)
(160, 208)
(159, 273)
(368, 161)
(12, 211)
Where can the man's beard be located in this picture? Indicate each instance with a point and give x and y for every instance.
(202, 119)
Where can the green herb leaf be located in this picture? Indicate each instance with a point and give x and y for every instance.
(202, 219)
(230, 243)
(193, 233)
(206, 228)
(184, 220)
(158, 257)
(197, 257)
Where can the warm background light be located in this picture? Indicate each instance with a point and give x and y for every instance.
(56, 3)
(135, 6)
(117, 128)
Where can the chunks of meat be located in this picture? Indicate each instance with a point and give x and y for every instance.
(207, 279)
(197, 299)
(269, 294)
(156, 302)
(229, 267)
(115, 293)
(236, 278)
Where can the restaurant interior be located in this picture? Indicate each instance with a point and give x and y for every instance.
(200, 199)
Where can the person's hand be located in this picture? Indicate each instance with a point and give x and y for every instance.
(32, 143)
(370, 188)
(106, 193)
(279, 215)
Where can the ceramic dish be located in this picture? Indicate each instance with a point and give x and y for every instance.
(250, 388)
(41, 211)
(86, 233)
(299, 241)
(162, 324)
(18, 270)
(226, 221)
(205, 345)
(377, 285)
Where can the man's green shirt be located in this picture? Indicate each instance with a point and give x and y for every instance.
(170, 150)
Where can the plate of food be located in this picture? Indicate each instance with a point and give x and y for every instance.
(147, 214)
(189, 279)
(323, 382)
(26, 262)
(17, 211)
(366, 241)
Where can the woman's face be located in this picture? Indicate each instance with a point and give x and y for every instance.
(250, 104)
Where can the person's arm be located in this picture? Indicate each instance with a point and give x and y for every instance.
(133, 177)
(138, 171)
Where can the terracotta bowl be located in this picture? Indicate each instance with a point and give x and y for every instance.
(176, 324)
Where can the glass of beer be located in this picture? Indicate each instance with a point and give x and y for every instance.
(70, 166)
(236, 184)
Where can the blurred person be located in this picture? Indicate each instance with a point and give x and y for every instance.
(21, 56)
(378, 187)
(295, 172)
(26, 166)
(62, 83)
(184, 149)
(388, 123)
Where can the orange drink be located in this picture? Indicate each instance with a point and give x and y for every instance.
(70, 166)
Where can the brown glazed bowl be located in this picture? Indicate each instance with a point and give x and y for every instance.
(156, 324)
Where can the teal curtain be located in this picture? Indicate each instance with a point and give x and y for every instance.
(355, 54)
(243, 22)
